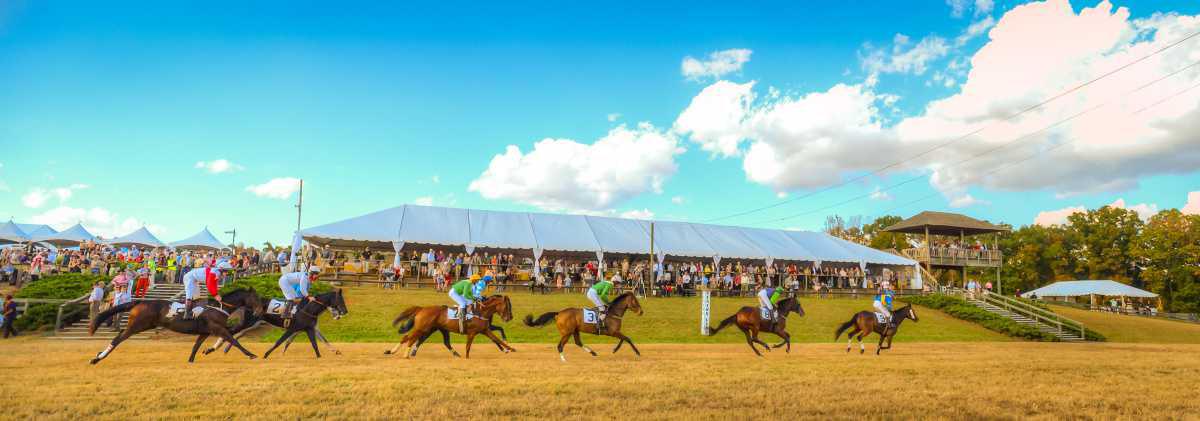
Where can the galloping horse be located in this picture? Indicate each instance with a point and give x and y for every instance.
(305, 321)
(146, 315)
(864, 324)
(570, 323)
(750, 322)
(420, 322)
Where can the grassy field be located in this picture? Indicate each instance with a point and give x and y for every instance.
(1121, 328)
(666, 320)
(150, 379)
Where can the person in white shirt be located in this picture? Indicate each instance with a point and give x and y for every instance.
(95, 299)
(295, 288)
(208, 276)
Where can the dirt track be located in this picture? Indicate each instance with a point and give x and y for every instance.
(150, 379)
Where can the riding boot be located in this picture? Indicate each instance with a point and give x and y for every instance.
(287, 314)
(462, 319)
(187, 309)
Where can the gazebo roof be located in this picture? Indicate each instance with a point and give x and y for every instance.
(943, 223)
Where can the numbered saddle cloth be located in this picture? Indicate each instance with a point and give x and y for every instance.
(590, 315)
(879, 317)
(276, 307)
(452, 314)
(764, 312)
(178, 308)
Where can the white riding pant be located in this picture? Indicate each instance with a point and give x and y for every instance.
(765, 300)
(460, 300)
(289, 290)
(190, 289)
(882, 309)
(595, 298)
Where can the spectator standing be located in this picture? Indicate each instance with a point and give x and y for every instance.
(120, 296)
(10, 316)
(95, 300)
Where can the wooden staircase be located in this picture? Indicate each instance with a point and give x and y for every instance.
(1046, 321)
(79, 329)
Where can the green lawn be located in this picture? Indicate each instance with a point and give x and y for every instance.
(1122, 328)
(666, 320)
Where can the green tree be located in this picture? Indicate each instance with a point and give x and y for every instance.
(1102, 240)
(1168, 251)
(880, 239)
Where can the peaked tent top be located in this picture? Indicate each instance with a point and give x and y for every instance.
(11, 233)
(424, 226)
(943, 223)
(203, 240)
(36, 230)
(68, 237)
(141, 237)
(1081, 288)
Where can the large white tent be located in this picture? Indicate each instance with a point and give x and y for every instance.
(67, 238)
(1105, 288)
(203, 240)
(36, 230)
(140, 237)
(472, 229)
(10, 233)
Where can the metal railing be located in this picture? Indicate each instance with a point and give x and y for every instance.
(956, 256)
(1038, 314)
(58, 320)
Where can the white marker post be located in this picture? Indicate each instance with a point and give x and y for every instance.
(705, 300)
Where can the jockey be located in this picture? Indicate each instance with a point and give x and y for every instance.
(463, 294)
(598, 294)
(209, 276)
(883, 301)
(295, 288)
(768, 297)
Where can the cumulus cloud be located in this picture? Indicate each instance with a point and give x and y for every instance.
(1059, 216)
(276, 188)
(879, 194)
(424, 201)
(904, 58)
(38, 196)
(98, 221)
(976, 29)
(638, 214)
(1192, 207)
(959, 8)
(717, 64)
(678, 200)
(613, 117)
(799, 141)
(563, 174)
(218, 166)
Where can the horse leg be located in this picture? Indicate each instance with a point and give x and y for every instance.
(622, 337)
(446, 342)
(222, 332)
(286, 334)
(199, 341)
(562, 341)
(787, 340)
(121, 337)
(470, 339)
(861, 348)
(504, 346)
(754, 337)
(326, 341)
(879, 347)
(750, 341)
(312, 339)
(502, 334)
(618, 347)
(580, 344)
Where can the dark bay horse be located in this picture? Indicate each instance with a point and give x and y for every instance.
(420, 322)
(570, 323)
(305, 321)
(146, 315)
(751, 323)
(864, 324)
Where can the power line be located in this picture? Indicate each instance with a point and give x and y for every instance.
(965, 136)
(1006, 144)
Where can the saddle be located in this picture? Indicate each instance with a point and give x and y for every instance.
(452, 314)
(276, 307)
(177, 309)
(592, 315)
(764, 313)
(881, 319)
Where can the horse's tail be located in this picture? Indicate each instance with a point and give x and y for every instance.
(724, 323)
(405, 315)
(845, 326)
(408, 325)
(541, 320)
(108, 314)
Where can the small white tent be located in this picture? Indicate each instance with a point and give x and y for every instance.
(67, 238)
(203, 240)
(141, 237)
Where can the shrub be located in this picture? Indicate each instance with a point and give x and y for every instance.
(67, 286)
(962, 309)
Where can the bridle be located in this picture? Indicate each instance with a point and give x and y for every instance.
(333, 311)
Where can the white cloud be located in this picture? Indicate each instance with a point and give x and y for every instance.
(1192, 207)
(218, 166)
(276, 188)
(563, 174)
(976, 29)
(1059, 216)
(879, 194)
(613, 117)
(638, 214)
(435, 179)
(966, 200)
(715, 119)
(4, 186)
(900, 59)
(958, 8)
(424, 201)
(678, 200)
(98, 221)
(37, 196)
(718, 64)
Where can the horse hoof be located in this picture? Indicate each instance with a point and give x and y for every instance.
(252, 357)
(337, 352)
(95, 360)
(388, 352)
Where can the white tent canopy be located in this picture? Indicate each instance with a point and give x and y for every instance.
(36, 230)
(1083, 288)
(11, 233)
(67, 238)
(203, 240)
(141, 237)
(471, 228)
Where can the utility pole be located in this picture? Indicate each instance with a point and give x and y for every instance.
(300, 205)
(233, 241)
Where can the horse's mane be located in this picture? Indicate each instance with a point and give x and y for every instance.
(621, 298)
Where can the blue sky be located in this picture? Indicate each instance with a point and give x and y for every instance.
(106, 110)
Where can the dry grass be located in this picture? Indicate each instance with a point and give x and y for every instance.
(1123, 328)
(150, 379)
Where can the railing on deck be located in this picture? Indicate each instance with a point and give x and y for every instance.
(1041, 315)
(955, 256)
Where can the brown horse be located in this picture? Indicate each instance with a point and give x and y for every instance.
(864, 324)
(751, 322)
(420, 322)
(146, 315)
(570, 323)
